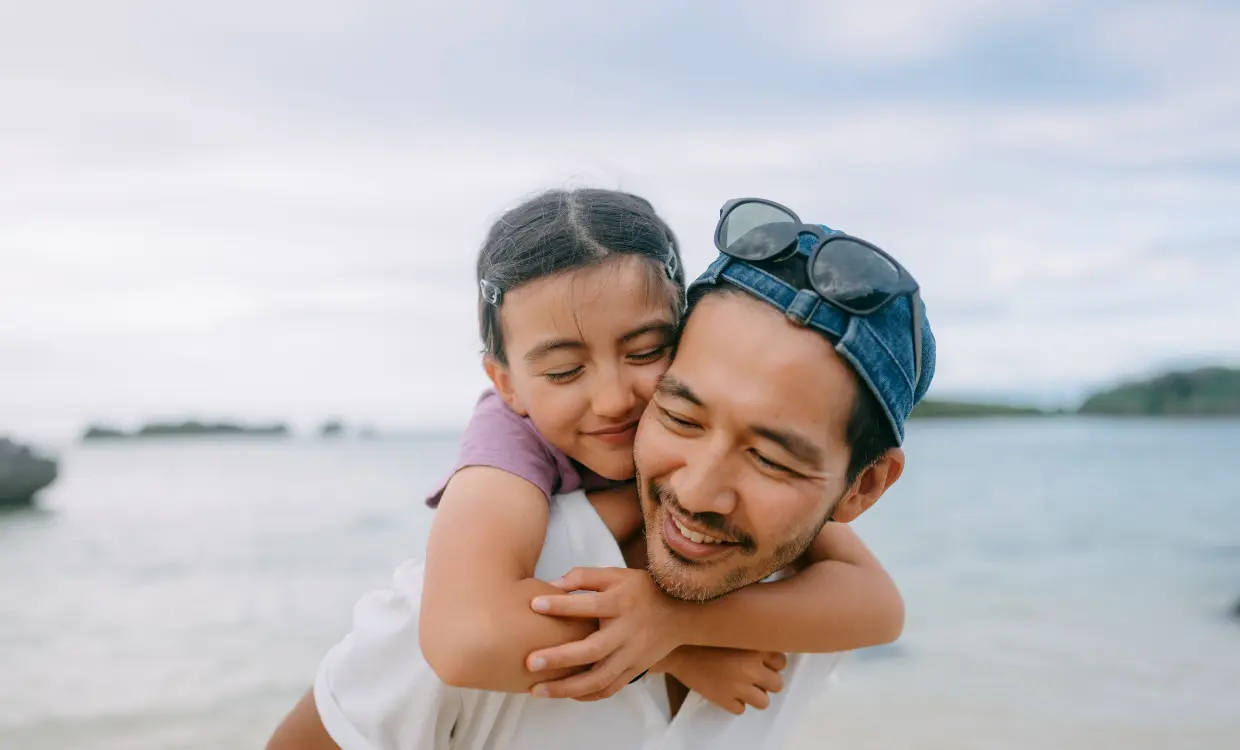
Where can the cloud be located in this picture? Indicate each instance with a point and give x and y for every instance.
(273, 208)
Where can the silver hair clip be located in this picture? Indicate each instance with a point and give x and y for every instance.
(672, 266)
(490, 292)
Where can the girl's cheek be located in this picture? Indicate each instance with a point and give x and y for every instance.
(644, 386)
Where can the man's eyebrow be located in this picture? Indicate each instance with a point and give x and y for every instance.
(799, 446)
(670, 385)
(554, 345)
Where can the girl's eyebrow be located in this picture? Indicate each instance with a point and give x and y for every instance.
(554, 345)
(660, 326)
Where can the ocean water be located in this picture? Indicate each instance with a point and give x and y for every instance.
(1067, 585)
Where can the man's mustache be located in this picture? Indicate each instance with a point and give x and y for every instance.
(716, 522)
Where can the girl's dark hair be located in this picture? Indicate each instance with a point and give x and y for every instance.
(564, 230)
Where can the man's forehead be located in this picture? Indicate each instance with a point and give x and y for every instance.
(741, 356)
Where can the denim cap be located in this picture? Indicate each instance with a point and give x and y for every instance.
(878, 346)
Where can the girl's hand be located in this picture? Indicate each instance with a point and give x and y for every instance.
(638, 626)
(729, 678)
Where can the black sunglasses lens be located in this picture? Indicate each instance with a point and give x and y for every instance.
(855, 275)
(756, 231)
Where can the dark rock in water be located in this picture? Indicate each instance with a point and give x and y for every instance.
(23, 472)
(1235, 611)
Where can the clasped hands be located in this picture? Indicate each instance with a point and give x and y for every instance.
(640, 629)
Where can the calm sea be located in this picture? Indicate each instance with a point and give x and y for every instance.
(1067, 585)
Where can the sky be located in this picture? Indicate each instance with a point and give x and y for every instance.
(270, 210)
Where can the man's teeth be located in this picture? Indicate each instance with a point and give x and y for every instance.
(693, 536)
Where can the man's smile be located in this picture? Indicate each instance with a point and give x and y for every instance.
(690, 544)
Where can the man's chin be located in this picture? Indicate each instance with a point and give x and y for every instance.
(670, 576)
(687, 580)
(678, 576)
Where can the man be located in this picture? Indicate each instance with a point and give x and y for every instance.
(802, 354)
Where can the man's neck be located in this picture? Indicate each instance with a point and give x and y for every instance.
(634, 551)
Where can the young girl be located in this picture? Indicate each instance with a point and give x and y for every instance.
(580, 301)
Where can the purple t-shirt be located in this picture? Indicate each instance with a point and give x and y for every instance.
(498, 437)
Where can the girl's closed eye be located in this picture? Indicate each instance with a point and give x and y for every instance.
(649, 355)
(564, 376)
(567, 374)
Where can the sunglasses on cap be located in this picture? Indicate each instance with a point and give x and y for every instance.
(847, 272)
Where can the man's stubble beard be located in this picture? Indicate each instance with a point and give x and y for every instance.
(667, 572)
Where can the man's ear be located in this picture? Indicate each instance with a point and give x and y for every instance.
(501, 378)
(870, 486)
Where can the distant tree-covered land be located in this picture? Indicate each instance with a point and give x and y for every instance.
(1209, 391)
(939, 408)
(98, 432)
(1204, 392)
(187, 429)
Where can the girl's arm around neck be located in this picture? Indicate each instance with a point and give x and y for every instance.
(840, 599)
(476, 626)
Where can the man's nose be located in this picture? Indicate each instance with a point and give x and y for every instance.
(612, 396)
(705, 484)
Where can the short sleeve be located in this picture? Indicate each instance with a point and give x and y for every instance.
(374, 690)
(500, 438)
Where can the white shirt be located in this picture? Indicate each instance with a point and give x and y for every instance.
(374, 691)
